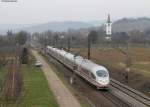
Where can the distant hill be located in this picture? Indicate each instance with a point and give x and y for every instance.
(126, 24)
(5, 27)
(122, 25)
(97, 23)
(53, 26)
(57, 26)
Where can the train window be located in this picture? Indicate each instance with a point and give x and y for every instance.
(93, 76)
(102, 73)
(85, 71)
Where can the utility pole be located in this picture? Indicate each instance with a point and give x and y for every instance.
(89, 46)
(73, 76)
(128, 60)
(45, 44)
(69, 44)
(62, 41)
(45, 50)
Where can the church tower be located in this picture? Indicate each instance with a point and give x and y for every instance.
(108, 26)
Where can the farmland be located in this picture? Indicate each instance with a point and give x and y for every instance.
(35, 90)
(114, 60)
(114, 57)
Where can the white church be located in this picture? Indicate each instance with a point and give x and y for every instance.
(108, 28)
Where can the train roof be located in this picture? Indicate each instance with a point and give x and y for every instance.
(92, 66)
(86, 64)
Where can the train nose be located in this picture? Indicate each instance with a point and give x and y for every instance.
(103, 81)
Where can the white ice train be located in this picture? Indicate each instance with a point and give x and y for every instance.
(91, 72)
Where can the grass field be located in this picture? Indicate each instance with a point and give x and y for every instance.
(2, 72)
(2, 77)
(140, 57)
(35, 90)
(114, 60)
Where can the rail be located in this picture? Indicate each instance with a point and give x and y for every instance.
(140, 97)
(131, 92)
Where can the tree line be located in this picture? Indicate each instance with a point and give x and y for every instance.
(97, 36)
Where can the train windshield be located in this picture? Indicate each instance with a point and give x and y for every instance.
(102, 73)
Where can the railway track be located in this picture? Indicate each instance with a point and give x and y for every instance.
(106, 94)
(140, 97)
(115, 100)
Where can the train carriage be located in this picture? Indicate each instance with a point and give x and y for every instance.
(95, 74)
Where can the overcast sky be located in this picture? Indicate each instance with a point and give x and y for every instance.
(41, 11)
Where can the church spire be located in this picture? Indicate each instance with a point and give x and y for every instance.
(108, 26)
(108, 19)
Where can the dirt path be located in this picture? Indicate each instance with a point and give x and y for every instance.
(62, 94)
